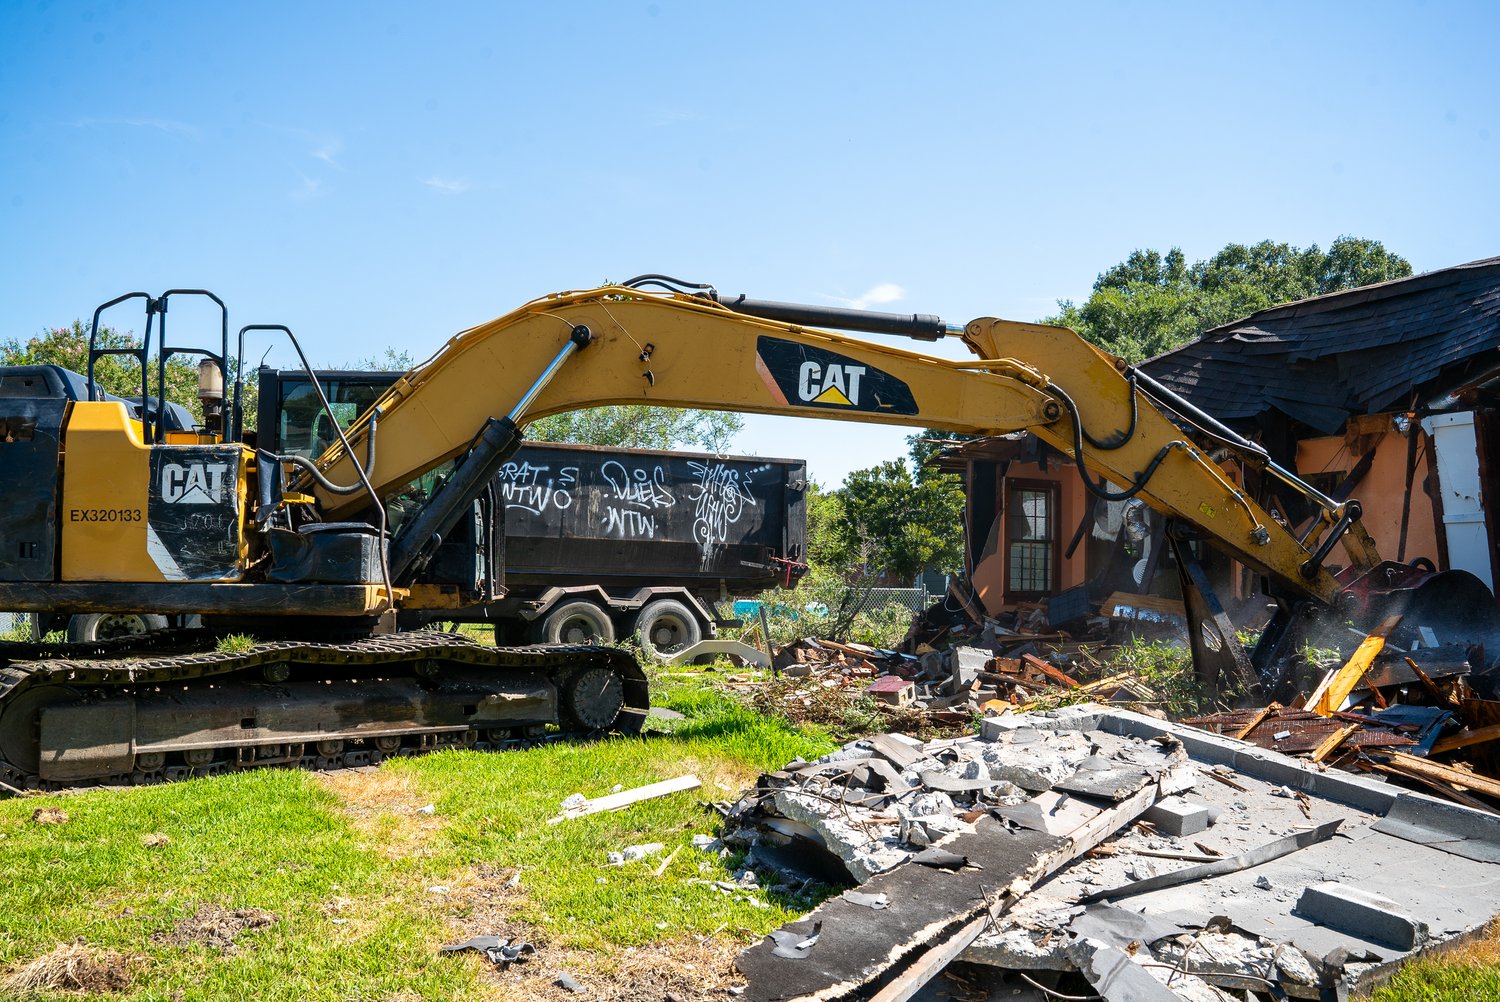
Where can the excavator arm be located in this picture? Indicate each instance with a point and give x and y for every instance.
(622, 345)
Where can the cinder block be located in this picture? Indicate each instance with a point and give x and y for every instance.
(1177, 817)
(1361, 913)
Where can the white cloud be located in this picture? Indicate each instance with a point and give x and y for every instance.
(159, 124)
(327, 149)
(876, 295)
(310, 188)
(447, 185)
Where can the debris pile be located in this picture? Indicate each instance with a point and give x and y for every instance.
(1413, 715)
(952, 687)
(1092, 851)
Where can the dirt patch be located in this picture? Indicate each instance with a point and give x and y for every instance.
(215, 927)
(73, 968)
(50, 816)
(385, 807)
(1479, 951)
(155, 840)
(689, 971)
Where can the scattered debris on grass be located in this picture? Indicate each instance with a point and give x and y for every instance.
(497, 950)
(73, 967)
(577, 805)
(216, 927)
(50, 816)
(155, 840)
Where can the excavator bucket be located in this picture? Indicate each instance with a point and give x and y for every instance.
(1425, 611)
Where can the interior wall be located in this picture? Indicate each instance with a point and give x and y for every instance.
(1380, 492)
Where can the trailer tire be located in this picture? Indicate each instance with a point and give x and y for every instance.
(105, 625)
(578, 622)
(667, 626)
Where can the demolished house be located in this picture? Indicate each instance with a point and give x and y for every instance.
(1097, 853)
(1386, 393)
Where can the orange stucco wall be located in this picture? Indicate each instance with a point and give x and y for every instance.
(1381, 491)
(989, 572)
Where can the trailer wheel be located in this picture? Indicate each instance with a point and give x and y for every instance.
(107, 625)
(667, 626)
(580, 622)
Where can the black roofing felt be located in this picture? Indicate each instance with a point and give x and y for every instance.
(1358, 352)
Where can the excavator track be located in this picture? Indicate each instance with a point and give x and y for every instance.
(161, 708)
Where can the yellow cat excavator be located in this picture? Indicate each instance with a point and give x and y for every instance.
(117, 506)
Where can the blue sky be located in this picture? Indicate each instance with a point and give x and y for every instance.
(386, 174)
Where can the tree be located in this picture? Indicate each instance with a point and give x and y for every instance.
(1151, 303)
(631, 426)
(635, 426)
(890, 522)
(116, 374)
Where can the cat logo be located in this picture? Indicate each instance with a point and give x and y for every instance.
(194, 483)
(807, 375)
(830, 384)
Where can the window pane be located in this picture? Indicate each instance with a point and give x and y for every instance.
(1030, 567)
(1031, 531)
(1030, 514)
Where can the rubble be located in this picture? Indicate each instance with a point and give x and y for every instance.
(934, 689)
(1061, 864)
(1384, 711)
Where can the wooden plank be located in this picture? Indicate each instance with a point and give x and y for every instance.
(1475, 737)
(1330, 744)
(617, 801)
(1427, 682)
(1464, 780)
(1048, 670)
(1337, 686)
(1133, 605)
(932, 963)
(1442, 789)
(1253, 722)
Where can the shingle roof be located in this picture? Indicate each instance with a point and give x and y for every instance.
(1357, 352)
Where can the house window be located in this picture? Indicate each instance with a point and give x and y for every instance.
(1031, 532)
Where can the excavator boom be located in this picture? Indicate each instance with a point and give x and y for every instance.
(678, 350)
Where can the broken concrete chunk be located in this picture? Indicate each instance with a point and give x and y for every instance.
(864, 850)
(1229, 957)
(1361, 913)
(1035, 761)
(634, 852)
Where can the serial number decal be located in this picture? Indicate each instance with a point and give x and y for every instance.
(105, 515)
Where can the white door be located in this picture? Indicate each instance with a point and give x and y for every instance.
(1457, 450)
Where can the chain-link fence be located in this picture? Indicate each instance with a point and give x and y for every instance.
(11, 622)
(878, 616)
(851, 599)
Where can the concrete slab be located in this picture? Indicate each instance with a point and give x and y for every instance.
(1436, 859)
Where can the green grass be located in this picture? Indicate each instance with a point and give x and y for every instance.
(235, 643)
(1467, 973)
(1435, 981)
(346, 863)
